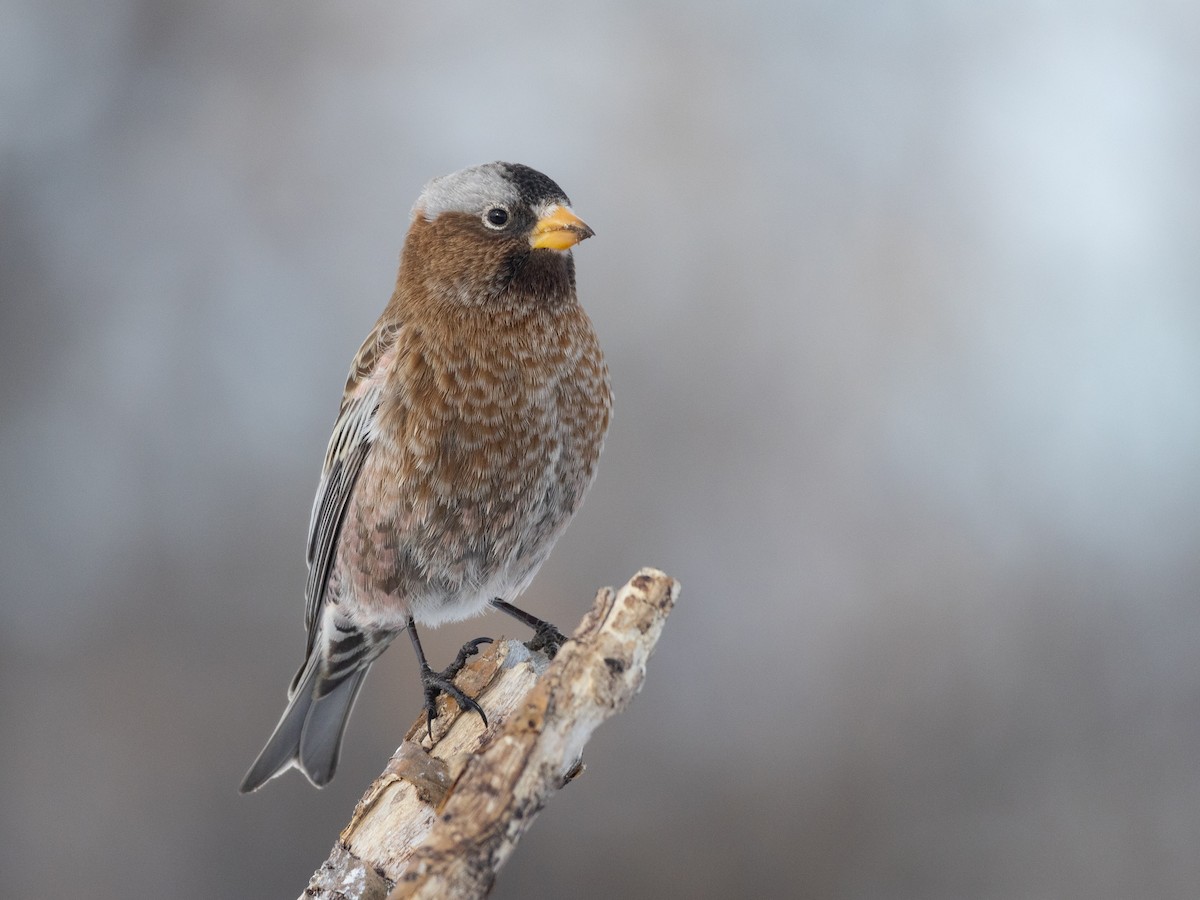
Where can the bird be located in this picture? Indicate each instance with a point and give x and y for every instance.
(469, 431)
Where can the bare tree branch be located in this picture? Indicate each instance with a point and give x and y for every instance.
(446, 814)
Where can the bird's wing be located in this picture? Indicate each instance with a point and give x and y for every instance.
(348, 448)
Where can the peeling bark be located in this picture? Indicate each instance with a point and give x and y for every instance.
(446, 813)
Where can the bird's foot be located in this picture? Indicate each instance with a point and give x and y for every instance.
(546, 638)
(443, 683)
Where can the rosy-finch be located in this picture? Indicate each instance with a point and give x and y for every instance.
(468, 434)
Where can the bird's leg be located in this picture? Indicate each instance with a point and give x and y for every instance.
(545, 636)
(443, 682)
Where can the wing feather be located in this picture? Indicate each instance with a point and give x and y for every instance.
(349, 446)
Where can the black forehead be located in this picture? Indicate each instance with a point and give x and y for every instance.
(532, 186)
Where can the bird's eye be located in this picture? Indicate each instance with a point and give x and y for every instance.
(497, 217)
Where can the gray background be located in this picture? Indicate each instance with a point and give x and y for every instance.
(901, 305)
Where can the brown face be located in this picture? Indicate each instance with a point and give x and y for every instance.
(493, 233)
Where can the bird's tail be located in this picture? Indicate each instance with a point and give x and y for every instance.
(309, 735)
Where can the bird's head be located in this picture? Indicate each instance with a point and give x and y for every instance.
(491, 231)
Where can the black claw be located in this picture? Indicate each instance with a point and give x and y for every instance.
(469, 649)
(443, 683)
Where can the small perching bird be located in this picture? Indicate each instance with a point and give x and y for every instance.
(469, 432)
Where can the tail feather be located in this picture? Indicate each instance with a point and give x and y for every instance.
(309, 735)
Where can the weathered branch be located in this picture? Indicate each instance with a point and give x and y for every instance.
(446, 814)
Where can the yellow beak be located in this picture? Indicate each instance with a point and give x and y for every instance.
(559, 229)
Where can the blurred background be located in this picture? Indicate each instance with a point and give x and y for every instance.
(902, 307)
